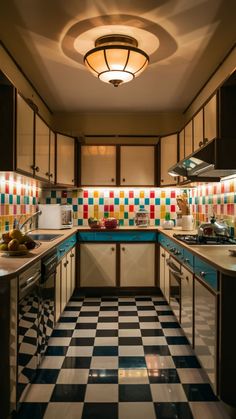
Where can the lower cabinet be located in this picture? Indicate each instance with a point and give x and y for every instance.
(187, 304)
(137, 265)
(164, 274)
(205, 308)
(97, 265)
(65, 281)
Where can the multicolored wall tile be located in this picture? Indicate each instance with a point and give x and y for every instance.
(117, 202)
(214, 198)
(19, 198)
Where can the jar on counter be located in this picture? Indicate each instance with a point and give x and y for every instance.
(141, 218)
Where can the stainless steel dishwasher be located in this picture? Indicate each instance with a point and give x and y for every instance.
(29, 307)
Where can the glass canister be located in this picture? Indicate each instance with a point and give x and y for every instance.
(142, 217)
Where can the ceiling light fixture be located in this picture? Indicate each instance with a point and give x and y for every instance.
(116, 59)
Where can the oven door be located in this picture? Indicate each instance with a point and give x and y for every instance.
(175, 276)
(47, 312)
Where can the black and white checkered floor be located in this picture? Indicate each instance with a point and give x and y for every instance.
(120, 357)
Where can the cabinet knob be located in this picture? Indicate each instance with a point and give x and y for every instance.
(47, 174)
(186, 260)
(123, 249)
(162, 180)
(51, 175)
(202, 274)
(72, 255)
(163, 255)
(123, 180)
(112, 179)
(37, 169)
(113, 249)
(65, 264)
(72, 180)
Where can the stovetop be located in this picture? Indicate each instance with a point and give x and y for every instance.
(192, 239)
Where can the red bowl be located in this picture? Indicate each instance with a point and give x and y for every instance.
(110, 224)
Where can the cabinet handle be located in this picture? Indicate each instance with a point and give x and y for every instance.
(51, 175)
(186, 260)
(47, 174)
(200, 143)
(113, 249)
(162, 180)
(112, 179)
(72, 180)
(37, 169)
(72, 255)
(123, 249)
(123, 180)
(187, 278)
(65, 264)
(62, 250)
(163, 255)
(202, 274)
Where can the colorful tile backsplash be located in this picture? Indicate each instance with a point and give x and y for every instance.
(119, 203)
(214, 198)
(18, 197)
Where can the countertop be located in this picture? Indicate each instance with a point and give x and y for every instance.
(13, 265)
(217, 255)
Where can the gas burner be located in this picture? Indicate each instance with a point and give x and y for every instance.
(198, 240)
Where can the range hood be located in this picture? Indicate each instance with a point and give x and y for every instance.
(211, 162)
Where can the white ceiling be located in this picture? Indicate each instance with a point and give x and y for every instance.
(186, 40)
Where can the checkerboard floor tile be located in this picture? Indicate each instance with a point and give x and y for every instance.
(118, 358)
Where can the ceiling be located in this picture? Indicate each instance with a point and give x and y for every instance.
(185, 39)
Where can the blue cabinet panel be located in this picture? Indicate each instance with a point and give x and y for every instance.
(117, 236)
(206, 272)
(65, 246)
(188, 260)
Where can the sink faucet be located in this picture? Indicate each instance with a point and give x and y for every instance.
(29, 219)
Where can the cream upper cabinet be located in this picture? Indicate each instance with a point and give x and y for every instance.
(98, 165)
(188, 135)
(42, 144)
(24, 137)
(198, 135)
(65, 160)
(210, 119)
(137, 165)
(137, 265)
(97, 265)
(52, 156)
(181, 145)
(168, 158)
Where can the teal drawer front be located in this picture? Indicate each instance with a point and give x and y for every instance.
(65, 246)
(188, 260)
(206, 272)
(118, 236)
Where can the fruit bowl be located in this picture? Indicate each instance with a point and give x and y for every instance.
(110, 223)
(94, 223)
(14, 252)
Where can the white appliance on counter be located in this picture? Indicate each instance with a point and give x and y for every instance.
(55, 216)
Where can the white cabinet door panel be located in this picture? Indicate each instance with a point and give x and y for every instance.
(97, 265)
(24, 136)
(210, 119)
(188, 135)
(168, 158)
(198, 129)
(42, 138)
(137, 265)
(65, 159)
(137, 165)
(98, 165)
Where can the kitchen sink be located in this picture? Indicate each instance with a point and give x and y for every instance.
(44, 237)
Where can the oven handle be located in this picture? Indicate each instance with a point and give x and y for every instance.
(29, 282)
(173, 268)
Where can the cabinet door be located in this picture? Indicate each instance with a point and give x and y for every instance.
(98, 165)
(72, 269)
(198, 130)
(52, 157)
(58, 293)
(65, 160)
(97, 265)
(168, 158)
(24, 137)
(42, 141)
(205, 329)
(187, 304)
(181, 145)
(162, 270)
(137, 165)
(63, 283)
(210, 119)
(137, 265)
(188, 135)
(167, 278)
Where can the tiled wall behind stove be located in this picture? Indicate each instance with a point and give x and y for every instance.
(119, 203)
(218, 198)
(19, 198)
